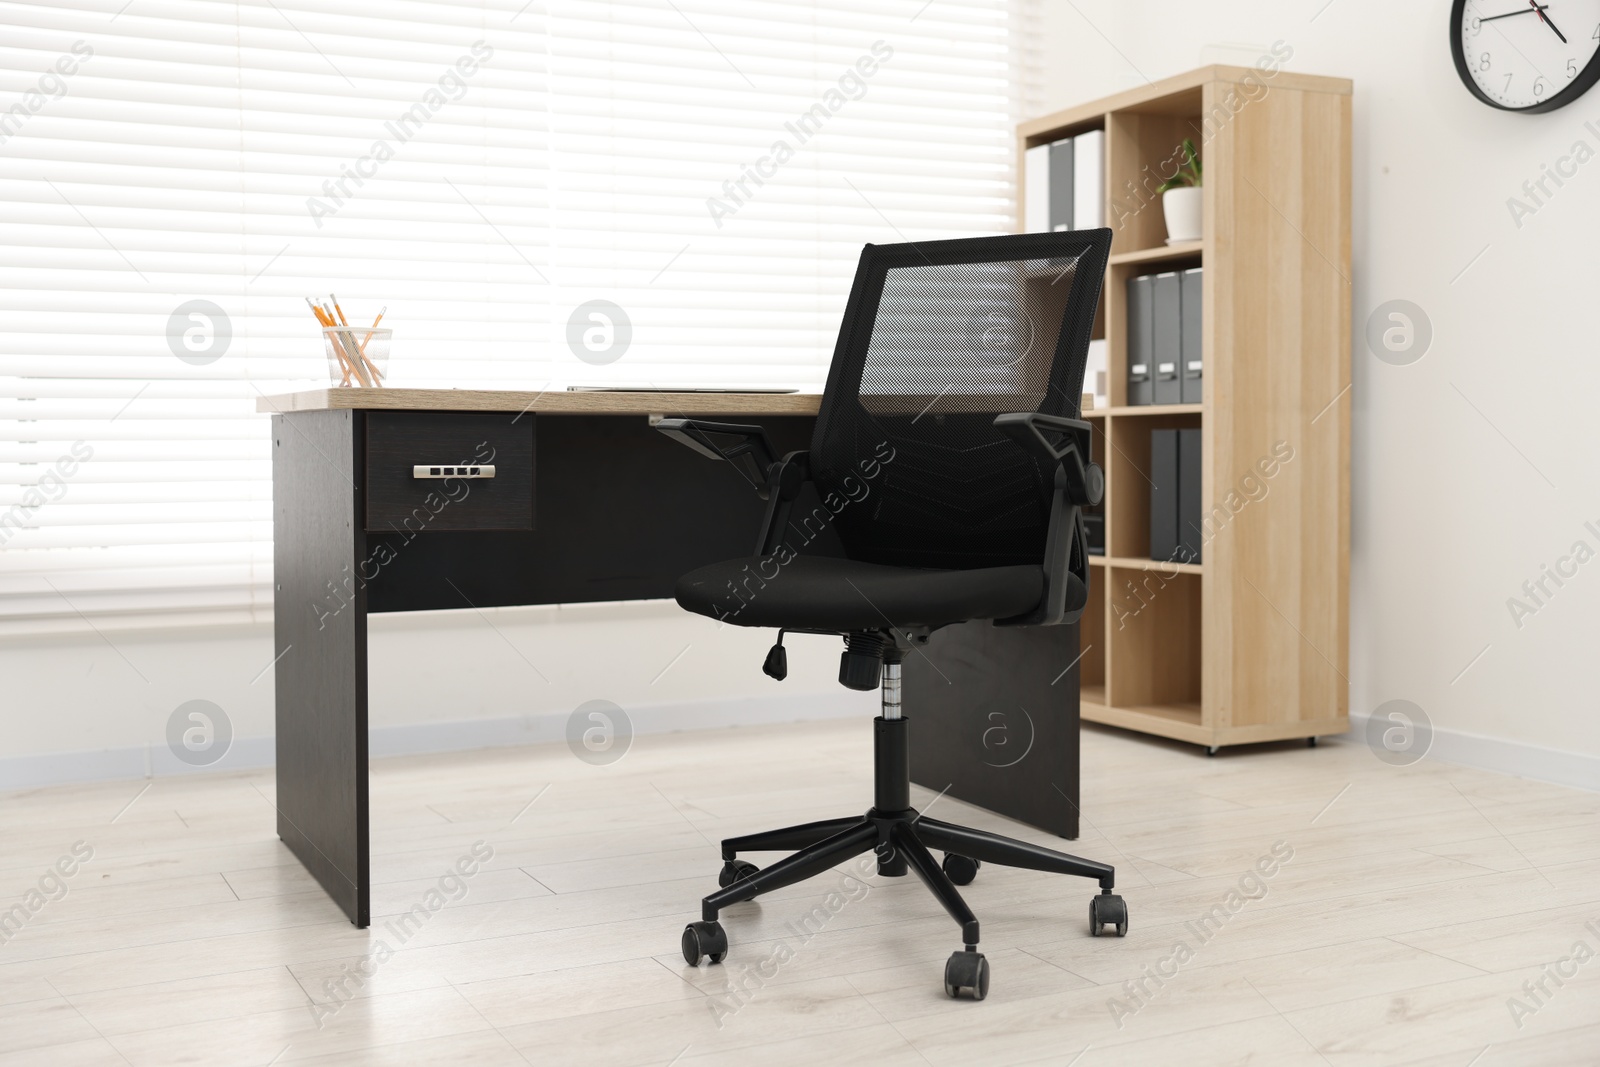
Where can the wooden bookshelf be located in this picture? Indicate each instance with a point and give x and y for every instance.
(1250, 644)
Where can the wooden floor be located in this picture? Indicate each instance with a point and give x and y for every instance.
(1408, 912)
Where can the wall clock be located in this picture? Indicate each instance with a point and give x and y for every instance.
(1527, 56)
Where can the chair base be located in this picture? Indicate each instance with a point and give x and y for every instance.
(901, 838)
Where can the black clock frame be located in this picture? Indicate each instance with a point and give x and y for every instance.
(1579, 85)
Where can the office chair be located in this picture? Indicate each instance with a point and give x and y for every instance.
(949, 459)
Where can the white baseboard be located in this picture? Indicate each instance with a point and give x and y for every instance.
(250, 753)
(1517, 758)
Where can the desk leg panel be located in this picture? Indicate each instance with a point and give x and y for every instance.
(994, 720)
(320, 628)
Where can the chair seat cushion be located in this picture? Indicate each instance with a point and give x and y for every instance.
(840, 594)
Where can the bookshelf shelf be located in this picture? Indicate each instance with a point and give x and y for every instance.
(1180, 722)
(1161, 254)
(1146, 411)
(1251, 644)
(1140, 564)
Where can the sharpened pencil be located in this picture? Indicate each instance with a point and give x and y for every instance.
(373, 328)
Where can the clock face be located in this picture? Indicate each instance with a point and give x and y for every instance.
(1526, 55)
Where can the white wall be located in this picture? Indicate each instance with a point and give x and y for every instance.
(1476, 465)
(97, 706)
(1451, 509)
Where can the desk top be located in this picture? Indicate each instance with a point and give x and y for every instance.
(554, 402)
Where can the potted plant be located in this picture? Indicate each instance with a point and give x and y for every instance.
(1180, 197)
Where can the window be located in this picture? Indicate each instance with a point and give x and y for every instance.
(179, 175)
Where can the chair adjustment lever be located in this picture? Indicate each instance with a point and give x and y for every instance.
(777, 664)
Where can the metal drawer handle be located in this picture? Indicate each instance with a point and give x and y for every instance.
(480, 470)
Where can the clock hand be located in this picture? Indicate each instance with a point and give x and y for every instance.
(1546, 19)
(1509, 14)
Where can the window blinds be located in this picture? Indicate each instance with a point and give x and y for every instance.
(177, 175)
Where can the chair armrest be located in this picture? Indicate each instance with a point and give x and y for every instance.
(785, 480)
(777, 481)
(1079, 483)
(1071, 450)
(746, 447)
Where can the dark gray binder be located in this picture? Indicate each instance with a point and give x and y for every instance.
(1141, 305)
(1167, 335)
(1061, 185)
(1191, 533)
(1190, 341)
(1163, 494)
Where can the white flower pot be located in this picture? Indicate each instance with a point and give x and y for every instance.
(1182, 209)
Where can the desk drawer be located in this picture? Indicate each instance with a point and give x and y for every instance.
(415, 467)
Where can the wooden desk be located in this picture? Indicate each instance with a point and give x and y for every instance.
(587, 503)
(542, 402)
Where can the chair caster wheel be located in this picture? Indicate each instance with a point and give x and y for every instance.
(960, 869)
(1108, 909)
(704, 940)
(966, 973)
(733, 871)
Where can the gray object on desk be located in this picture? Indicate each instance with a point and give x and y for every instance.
(744, 389)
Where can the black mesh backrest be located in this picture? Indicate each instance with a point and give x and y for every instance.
(938, 339)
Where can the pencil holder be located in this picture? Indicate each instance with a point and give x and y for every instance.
(357, 355)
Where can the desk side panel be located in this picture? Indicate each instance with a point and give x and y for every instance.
(319, 622)
(994, 720)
